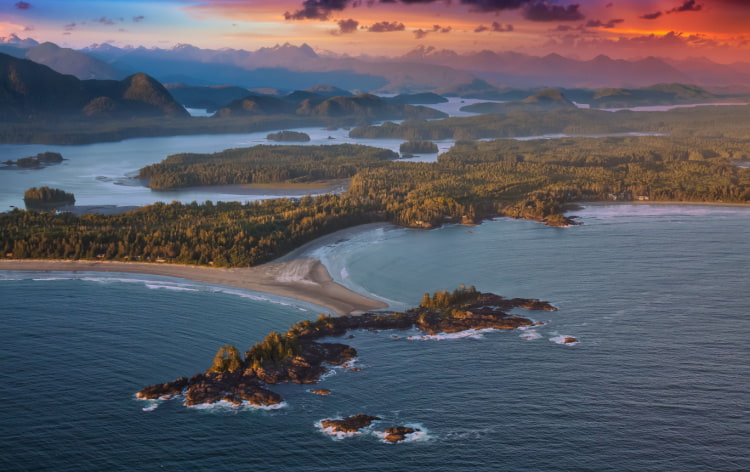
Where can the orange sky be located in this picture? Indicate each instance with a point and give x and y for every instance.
(718, 29)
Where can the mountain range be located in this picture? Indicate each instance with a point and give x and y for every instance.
(29, 91)
(290, 67)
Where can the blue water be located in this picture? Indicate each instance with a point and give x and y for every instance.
(658, 297)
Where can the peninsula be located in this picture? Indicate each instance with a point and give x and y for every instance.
(298, 356)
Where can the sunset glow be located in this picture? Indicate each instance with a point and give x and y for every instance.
(581, 28)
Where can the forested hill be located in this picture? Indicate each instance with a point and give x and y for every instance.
(32, 91)
(264, 164)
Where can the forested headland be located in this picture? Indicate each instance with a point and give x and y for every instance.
(474, 180)
(264, 164)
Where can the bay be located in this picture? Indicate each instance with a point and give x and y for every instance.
(657, 295)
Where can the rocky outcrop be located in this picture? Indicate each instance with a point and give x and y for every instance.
(298, 357)
(350, 424)
(320, 391)
(167, 389)
(398, 433)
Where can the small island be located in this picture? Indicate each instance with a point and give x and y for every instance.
(46, 198)
(298, 357)
(289, 136)
(34, 162)
(418, 147)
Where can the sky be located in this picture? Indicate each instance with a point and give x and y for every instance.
(716, 29)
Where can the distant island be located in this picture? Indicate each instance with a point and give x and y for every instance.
(418, 147)
(288, 136)
(34, 162)
(297, 356)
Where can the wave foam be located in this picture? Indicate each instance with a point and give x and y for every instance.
(156, 283)
(170, 287)
(529, 335)
(339, 435)
(469, 333)
(224, 405)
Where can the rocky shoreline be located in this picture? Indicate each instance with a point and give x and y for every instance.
(298, 357)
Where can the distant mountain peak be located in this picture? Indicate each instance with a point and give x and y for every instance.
(13, 40)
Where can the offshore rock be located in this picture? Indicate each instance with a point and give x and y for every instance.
(350, 424)
(398, 433)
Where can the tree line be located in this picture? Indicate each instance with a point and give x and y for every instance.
(474, 180)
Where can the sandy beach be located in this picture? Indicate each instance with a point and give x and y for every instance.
(301, 279)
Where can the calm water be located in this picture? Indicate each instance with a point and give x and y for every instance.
(658, 296)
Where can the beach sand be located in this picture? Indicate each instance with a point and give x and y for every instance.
(301, 279)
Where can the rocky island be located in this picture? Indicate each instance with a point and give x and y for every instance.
(350, 424)
(35, 162)
(297, 356)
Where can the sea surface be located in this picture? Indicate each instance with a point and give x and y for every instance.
(658, 296)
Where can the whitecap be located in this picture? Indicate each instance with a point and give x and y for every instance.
(151, 407)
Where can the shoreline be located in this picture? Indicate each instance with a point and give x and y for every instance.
(306, 280)
(659, 202)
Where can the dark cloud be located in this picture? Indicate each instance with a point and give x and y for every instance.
(534, 10)
(495, 5)
(23, 5)
(108, 21)
(70, 26)
(496, 27)
(544, 11)
(386, 27)
(317, 9)
(651, 16)
(687, 5)
(28, 28)
(347, 26)
(601, 24)
(500, 28)
(138, 19)
(420, 33)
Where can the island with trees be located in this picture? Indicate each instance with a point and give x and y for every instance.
(37, 161)
(46, 198)
(418, 147)
(298, 356)
(288, 136)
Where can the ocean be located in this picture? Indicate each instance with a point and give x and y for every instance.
(658, 296)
